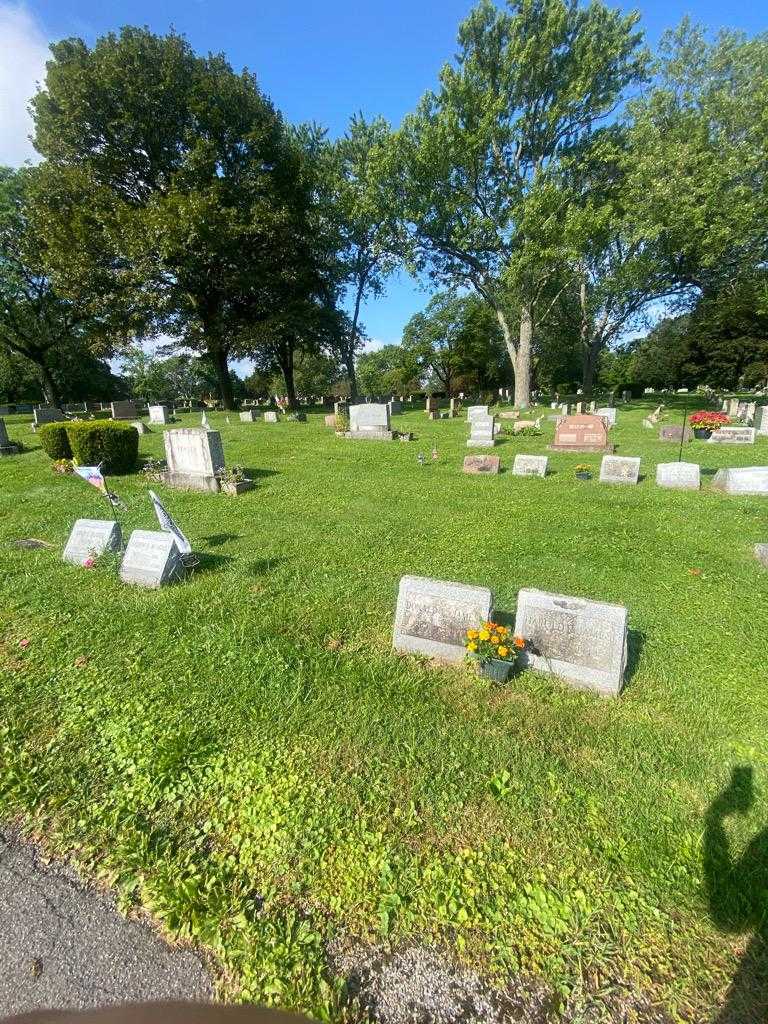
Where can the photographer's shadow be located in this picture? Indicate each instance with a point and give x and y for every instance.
(737, 890)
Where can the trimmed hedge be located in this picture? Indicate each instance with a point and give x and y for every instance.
(113, 445)
(54, 440)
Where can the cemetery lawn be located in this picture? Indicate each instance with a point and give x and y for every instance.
(243, 756)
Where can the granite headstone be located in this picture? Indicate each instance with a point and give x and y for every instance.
(433, 616)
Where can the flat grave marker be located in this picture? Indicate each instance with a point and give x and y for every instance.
(742, 480)
(482, 464)
(672, 432)
(433, 616)
(530, 465)
(681, 476)
(619, 469)
(733, 435)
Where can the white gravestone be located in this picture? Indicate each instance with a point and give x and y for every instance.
(681, 476)
(270, 417)
(151, 559)
(159, 414)
(733, 435)
(477, 411)
(248, 416)
(618, 469)
(583, 642)
(608, 414)
(140, 427)
(482, 432)
(433, 616)
(194, 457)
(369, 422)
(124, 411)
(761, 420)
(90, 538)
(744, 480)
(530, 465)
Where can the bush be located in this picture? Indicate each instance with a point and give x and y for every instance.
(114, 446)
(54, 440)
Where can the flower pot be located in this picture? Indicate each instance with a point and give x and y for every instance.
(583, 476)
(702, 434)
(496, 670)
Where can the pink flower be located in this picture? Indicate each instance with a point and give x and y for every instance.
(89, 563)
(24, 644)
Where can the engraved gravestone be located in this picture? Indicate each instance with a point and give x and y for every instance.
(124, 411)
(733, 435)
(530, 465)
(482, 432)
(151, 559)
(433, 616)
(395, 407)
(675, 433)
(248, 416)
(581, 434)
(369, 422)
(581, 641)
(744, 480)
(159, 414)
(619, 469)
(90, 538)
(270, 416)
(682, 476)
(488, 464)
(194, 457)
(46, 414)
(608, 413)
(477, 412)
(761, 420)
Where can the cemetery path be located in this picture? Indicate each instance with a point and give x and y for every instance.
(64, 944)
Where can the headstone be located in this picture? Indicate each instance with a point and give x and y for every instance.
(733, 435)
(330, 420)
(583, 642)
(626, 395)
(124, 411)
(369, 422)
(608, 413)
(649, 422)
(90, 538)
(476, 411)
(530, 465)
(592, 406)
(681, 476)
(733, 408)
(151, 559)
(579, 408)
(6, 447)
(248, 416)
(482, 432)
(433, 616)
(509, 414)
(453, 407)
(488, 464)
(395, 407)
(761, 420)
(744, 480)
(581, 434)
(761, 554)
(159, 414)
(270, 416)
(194, 457)
(619, 469)
(675, 433)
(46, 414)
(431, 404)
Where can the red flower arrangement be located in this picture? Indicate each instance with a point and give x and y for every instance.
(705, 420)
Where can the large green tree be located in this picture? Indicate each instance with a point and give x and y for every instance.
(171, 181)
(470, 173)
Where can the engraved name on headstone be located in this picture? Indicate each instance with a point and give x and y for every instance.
(488, 464)
(482, 432)
(743, 480)
(581, 641)
(530, 465)
(159, 414)
(90, 538)
(194, 457)
(369, 422)
(477, 412)
(151, 559)
(733, 435)
(581, 434)
(433, 616)
(675, 433)
(683, 476)
(619, 469)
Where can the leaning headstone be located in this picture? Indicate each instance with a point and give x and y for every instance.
(194, 458)
(6, 446)
(433, 616)
(487, 464)
(151, 559)
(681, 476)
(270, 416)
(761, 420)
(159, 414)
(369, 422)
(530, 465)
(124, 411)
(581, 434)
(733, 435)
(583, 642)
(619, 469)
(482, 432)
(90, 538)
(248, 416)
(744, 480)
(675, 433)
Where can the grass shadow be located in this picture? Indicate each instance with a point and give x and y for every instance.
(207, 562)
(258, 474)
(635, 643)
(217, 539)
(263, 565)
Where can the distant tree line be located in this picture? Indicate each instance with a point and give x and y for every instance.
(557, 188)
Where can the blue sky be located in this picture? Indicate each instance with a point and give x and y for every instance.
(318, 61)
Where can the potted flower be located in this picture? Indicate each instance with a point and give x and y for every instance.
(234, 481)
(704, 422)
(494, 649)
(583, 471)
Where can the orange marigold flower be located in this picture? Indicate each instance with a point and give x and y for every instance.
(519, 642)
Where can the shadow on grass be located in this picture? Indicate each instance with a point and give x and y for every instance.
(635, 644)
(263, 565)
(736, 890)
(258, 474)
(207, 562)
(217, 539)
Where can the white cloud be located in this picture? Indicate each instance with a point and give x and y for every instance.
(373, 344)
(23, 53)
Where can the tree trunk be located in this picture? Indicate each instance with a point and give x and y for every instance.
(285, 359)
(47, 383)
(522, 364)
(220, 361)
(349, 365)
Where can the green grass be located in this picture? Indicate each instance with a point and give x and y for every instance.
(243, 755)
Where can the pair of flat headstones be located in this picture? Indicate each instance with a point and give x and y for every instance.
(151, 557)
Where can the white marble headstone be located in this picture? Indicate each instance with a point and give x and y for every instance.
(682, 476)
(742, 480)
(159, 414)
(530, 465)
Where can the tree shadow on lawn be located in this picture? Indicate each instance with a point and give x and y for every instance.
(737, 891)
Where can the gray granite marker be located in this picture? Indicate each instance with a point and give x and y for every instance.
(618, 469)
(530, 465)
(124, 411)
(248, 416)
(433, 616)
(682, 476)
(151, 559)
(733, 435)
(581, 641)
(194, 457)
(743, 480)
(90, 538)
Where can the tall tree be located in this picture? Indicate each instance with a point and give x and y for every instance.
(470, 171)
(37, 323)
(175, 179)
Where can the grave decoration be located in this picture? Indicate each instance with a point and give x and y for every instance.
(496, 651)
(704, 422)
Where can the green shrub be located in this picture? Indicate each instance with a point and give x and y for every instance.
(54, 440)
(114, 446)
